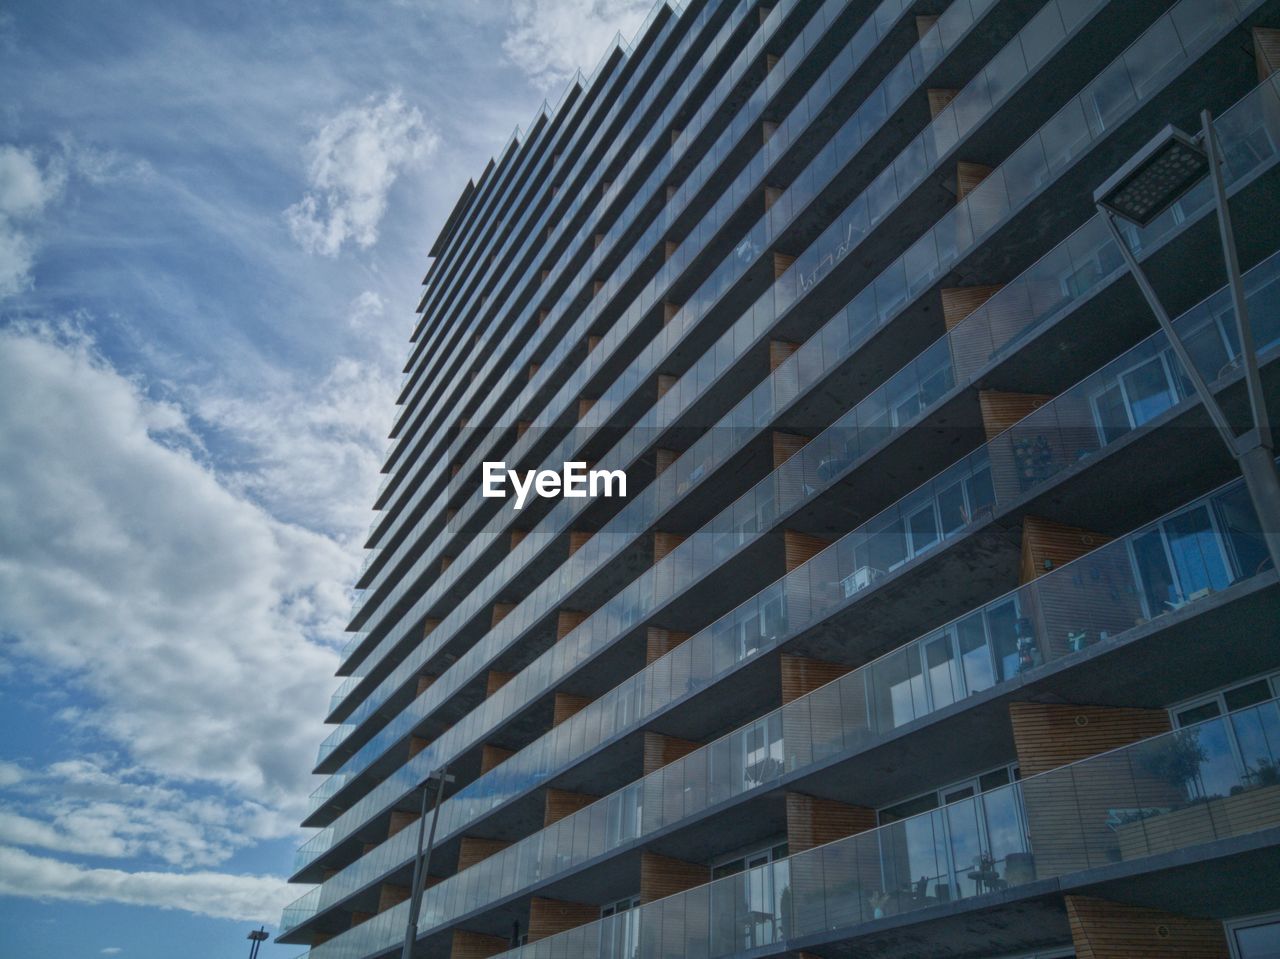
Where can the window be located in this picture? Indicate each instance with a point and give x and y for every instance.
(620, 939)
(1180, 559)
(1256, 938)
(1252, 736)
(1136, 396)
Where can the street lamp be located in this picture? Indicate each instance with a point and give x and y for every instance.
(256, 939)
(422, 859)
(1147, 185)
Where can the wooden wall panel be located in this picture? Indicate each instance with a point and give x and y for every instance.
(938, 100)
(547, 917)
(787, 445)
(584, 406)
(500, 611)
(767, 130)
(522, 427)
(801, 547)
(662, 459)
(577, 540)
(1046, 545)
(1001, 410)
(659, 642)
(662, 876)
(669, 311)
(779, 350)
(1101, 929)
(924, 25)
(968, 176)
(959, 301)
(358, 918)
(664, 543)
(815, 822)
(475, 945)
(665, 382)
(417, 744)
(567, 620)
(424, 683)
(1266, 48)
(566, 705)
(669, 248)
(781, 263)
(445, 562)
(592, 342)
(801, 676)
(472, 849)
(391, 895)
(517, 537)
(771, 194)
(533, 369)
(493, 756)
(660, 750)
(561, 803)
(1049, 735)
(399, 820)
(497, 679)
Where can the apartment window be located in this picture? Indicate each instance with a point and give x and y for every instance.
(1256, 938)
(745, 911)
(620, 939)
(1135, 396)
(966, 788)
(1250, 736)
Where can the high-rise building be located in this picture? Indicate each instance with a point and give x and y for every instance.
(937, 618)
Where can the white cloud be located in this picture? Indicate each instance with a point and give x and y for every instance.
(187, 618)
(26, 187)
(220, 895)
(353, 161)
(112, 951)
(550, 39)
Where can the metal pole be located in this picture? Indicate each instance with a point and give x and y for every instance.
(1252, 451)
(422, 861)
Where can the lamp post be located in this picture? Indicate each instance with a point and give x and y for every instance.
(1147, 185)
(256, 939)
(422, 859)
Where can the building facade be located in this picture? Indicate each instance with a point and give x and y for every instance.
(936, 619)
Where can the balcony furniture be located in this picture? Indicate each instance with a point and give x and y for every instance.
(860, 579)
(1246, 811)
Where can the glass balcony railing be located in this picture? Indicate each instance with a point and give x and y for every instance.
(1250, 146)
(953, 25)
(1129, 582)
(1163, 795)
(731, 139)
(866, 425)
(564, 220)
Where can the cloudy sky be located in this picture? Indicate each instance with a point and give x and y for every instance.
(214, 219)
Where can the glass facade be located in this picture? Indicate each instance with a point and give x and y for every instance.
(904, 452)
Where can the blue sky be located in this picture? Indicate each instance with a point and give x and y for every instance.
(214, 220)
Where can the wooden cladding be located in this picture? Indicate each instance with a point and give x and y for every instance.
(577, 540)
(924, 25)
(533, 370)
(669, 311)
(801, 676)
(664, 543)
(815, 822)
(596, 287)
(767, 130)
(547, 917)
(584, 407)
(781, 263)
(391, 895)
(669, 248)
(358, 918)
(445, 562)
(1266, 51)
(799, 548)
(517, 537)
(561, 803)
(1001, 410)
(771, 195)
(496, 680)
(770, 61)
(522, 427)
(1046, 545)
(472, 849)
(968, 176)
(1049, 735)
(567, 620)
(399, 820)
(938, 100)
(779, 350)
(1101, 929)
(662, 876)
(417, 744)
(566, 705)
(500, 612)
(660, 750)
(592, 342)
(475, 945)
(663, 459)
(493, 756)
(659, 642)
(665, 382)
(785, 446)
(542, 316)
(959, 302)
(424, 683)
